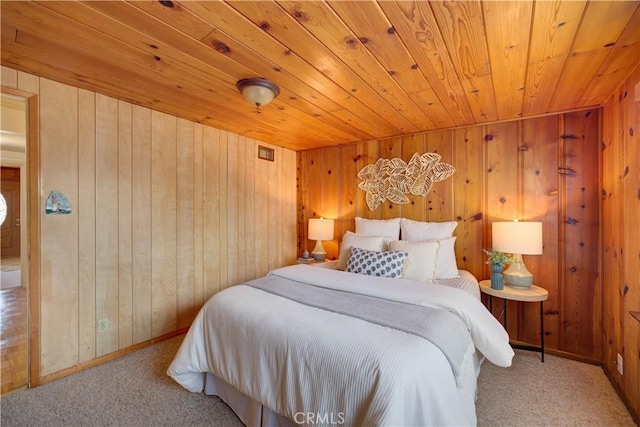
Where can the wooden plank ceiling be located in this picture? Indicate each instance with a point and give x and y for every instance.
(348, 70)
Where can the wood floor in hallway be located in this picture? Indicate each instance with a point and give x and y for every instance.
(13, 338)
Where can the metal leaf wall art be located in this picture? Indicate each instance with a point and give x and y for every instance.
(393, 179)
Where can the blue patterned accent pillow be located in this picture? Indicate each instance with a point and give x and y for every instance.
(372, 263)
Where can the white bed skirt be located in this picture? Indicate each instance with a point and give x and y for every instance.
(254, 414)
(250, 412)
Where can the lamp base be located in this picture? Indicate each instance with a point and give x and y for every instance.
(319, 253)
(518, 282)
(517, 275)
(319, 257)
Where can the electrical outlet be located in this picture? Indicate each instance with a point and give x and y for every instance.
(620, 363)
(103, 325)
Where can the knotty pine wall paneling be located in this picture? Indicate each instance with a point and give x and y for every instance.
(468, 196)
(390, 149)
(185, 266)
(368, 153)
(249, 229)
(163, 224)
(106, 193)
(274, 234)
(621, 238)
(223, 193)
(439, 201)
(210, 210)
(503, 181)
(263, 244)
(410, 145)
(580, 221)
(288, 205)
(198, 256)
(273, 211)
(331, 175)
(125, 246)
(141, 280)
(539, 156)
(233, 255)
(236, 206)
(348, 190)
(86, 209)
(59, 233)
(332, 193)
(631, 256)
(302, 197)
(313, 164)
(631, 176)
(166, 212)
(503, 171)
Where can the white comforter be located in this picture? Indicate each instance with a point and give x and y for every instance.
(294, 358)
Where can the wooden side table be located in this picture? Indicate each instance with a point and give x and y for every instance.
(532, 294)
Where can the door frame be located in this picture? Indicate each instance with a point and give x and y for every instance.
(32, 252)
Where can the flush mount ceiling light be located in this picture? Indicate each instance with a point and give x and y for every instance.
(258, 91)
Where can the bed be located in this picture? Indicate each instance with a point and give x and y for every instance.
(307, 345)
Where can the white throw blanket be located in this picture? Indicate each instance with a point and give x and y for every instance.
(295, 358)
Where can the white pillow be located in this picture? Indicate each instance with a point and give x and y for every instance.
(371, 243)
(422, 258)
(446, 265)
(374, 263)
(378, 227)
(419, 231)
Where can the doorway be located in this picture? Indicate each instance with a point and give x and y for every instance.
(14, 289)
(10, 218)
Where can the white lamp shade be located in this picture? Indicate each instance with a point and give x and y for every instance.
(258, 95)
(517, 237)
(320, 229)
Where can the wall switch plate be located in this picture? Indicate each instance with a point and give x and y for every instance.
(619, 363)
(103, 325)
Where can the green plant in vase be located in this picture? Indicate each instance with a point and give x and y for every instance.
(497, 260)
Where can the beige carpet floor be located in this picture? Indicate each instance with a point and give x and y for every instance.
(558, 392)
(134, 390)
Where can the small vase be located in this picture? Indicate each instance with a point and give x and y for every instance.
(497, 281)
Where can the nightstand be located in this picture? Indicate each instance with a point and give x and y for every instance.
(322, 264)
(532, 294)
(331, 264)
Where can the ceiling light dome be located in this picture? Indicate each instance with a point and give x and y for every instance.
(258, 91)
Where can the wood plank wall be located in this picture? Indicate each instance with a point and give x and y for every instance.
(166, 212)
(621, 256)
(543, 169)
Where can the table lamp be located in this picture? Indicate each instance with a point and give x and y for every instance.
(320, 229)
(517, 238)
